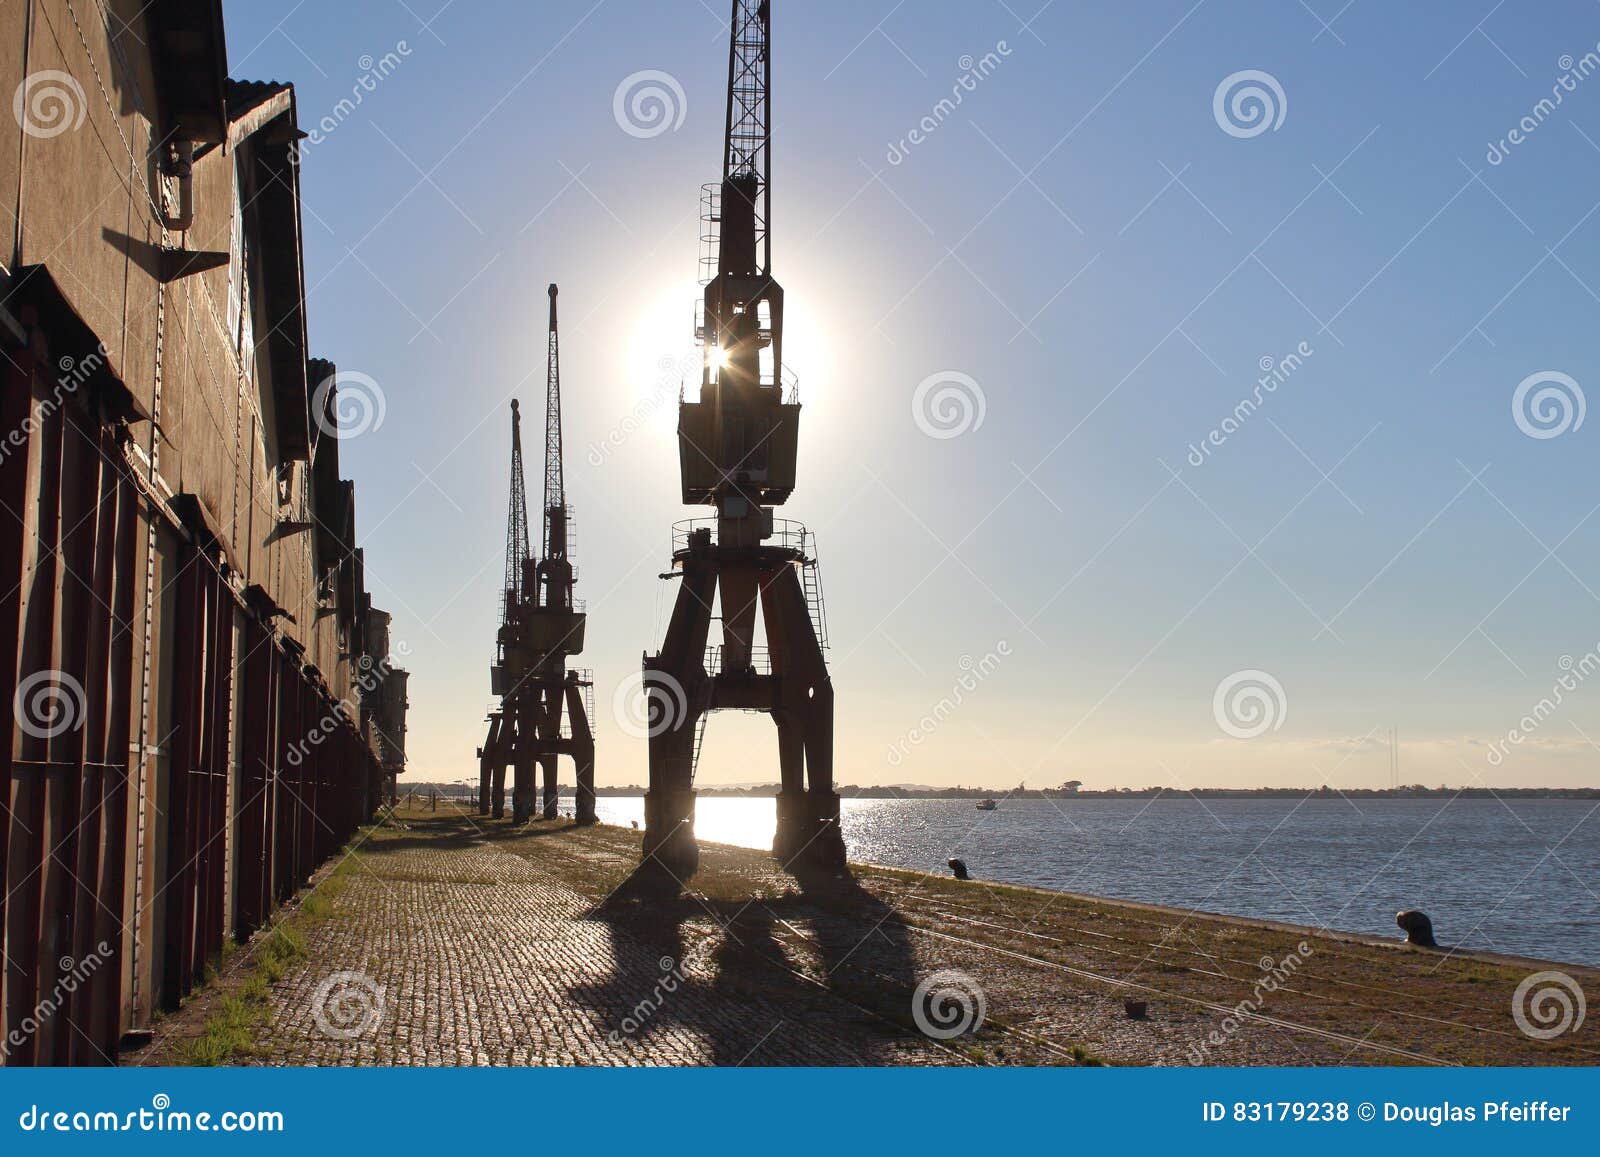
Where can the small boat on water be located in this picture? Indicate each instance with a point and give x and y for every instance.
(987, 805)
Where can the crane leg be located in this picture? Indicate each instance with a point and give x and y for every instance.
(808, 810)
(488, 754)
(552, 796)
(678, 688)
(792, 794)
(523, 787)
(582, 755)
(824, 838)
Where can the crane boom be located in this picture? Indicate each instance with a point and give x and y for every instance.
(747, 155)
(555, 500)
(516, 523)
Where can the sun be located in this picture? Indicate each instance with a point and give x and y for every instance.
(662, 356)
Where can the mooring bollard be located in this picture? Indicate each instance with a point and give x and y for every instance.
(959, 868)
(1418, 928)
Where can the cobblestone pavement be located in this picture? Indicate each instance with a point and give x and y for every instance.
(455, 942)
(471, 955)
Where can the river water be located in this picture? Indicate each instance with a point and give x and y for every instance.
(1519, 877)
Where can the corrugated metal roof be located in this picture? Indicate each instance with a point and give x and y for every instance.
(245, 95)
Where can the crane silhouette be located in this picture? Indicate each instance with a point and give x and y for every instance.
(541, 627)
(737, 449)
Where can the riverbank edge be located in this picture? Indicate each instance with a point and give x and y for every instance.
(1363, 939)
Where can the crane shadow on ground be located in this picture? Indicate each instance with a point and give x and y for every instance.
(798, 967)
(458, 830)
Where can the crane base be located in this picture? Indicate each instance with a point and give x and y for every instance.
(669, 832)
(808, 829)
(788, 682)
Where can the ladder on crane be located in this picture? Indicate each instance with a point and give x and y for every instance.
(699, 740)
(811, 580)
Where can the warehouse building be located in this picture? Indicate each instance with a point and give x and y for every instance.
(187, 647)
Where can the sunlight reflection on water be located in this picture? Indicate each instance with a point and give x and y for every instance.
(1476, 870)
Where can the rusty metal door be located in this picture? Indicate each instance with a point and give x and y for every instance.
(197, 800)
(67, 539)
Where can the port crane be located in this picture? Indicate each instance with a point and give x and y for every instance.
(541, 627)
(737, 449)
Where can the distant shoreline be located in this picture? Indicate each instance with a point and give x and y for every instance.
(1415, 791)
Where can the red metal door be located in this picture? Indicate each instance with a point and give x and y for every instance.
(66, 615)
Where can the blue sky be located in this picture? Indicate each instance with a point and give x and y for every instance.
(1107, 265)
